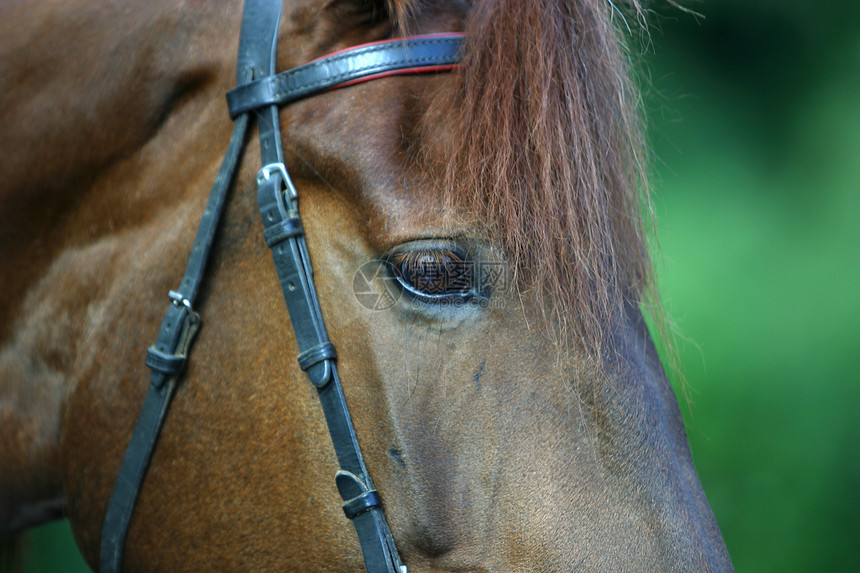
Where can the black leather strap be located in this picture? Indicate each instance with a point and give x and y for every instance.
(416, 54)
(293, 268)
(166, 358)
(278, 202)
(262, 91)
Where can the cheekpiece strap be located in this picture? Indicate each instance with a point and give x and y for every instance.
(278, 202)
(261, 90)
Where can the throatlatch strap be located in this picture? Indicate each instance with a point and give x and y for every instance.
(166, 358)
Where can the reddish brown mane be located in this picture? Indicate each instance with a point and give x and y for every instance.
(548, 156)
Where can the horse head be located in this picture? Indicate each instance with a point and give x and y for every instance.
(479, 255)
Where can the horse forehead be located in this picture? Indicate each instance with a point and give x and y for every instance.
(359, 146)
(313, 28)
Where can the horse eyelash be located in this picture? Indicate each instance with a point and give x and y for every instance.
(439, 256)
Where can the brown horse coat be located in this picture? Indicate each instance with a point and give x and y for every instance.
(536, 434)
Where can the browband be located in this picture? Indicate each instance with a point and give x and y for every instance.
(412, 55)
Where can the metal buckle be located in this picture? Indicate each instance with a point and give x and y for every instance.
(179, 299)
(265, 174)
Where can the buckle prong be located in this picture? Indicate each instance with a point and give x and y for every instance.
(179, 299)
(266, 172)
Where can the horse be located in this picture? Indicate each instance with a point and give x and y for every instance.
(479, 247)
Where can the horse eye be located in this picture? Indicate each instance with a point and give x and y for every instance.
(434, 273)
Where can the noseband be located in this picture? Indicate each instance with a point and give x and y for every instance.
(261, 91)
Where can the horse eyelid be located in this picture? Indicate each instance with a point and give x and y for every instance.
(434, 274)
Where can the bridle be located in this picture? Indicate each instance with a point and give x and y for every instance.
(261, 91)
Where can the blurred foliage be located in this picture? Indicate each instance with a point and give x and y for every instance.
(46, 549)
(755, 116)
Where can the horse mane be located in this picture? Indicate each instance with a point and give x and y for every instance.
(544, 150)
(548, 155)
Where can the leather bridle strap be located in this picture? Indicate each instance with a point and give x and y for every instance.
(401, 56)
(166, 359)
(284, 234)
(261, 91)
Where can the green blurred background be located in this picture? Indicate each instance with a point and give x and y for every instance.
(755, 117)
(754, 109)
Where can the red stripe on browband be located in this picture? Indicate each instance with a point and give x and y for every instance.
(392, 41)
(404, 71)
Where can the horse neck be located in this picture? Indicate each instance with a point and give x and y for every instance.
(81, 98)
(94, 120)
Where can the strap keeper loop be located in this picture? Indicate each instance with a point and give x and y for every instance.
(317, 363)
(164, 363)
(364, 502)
(282, 231)
(317, 354)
